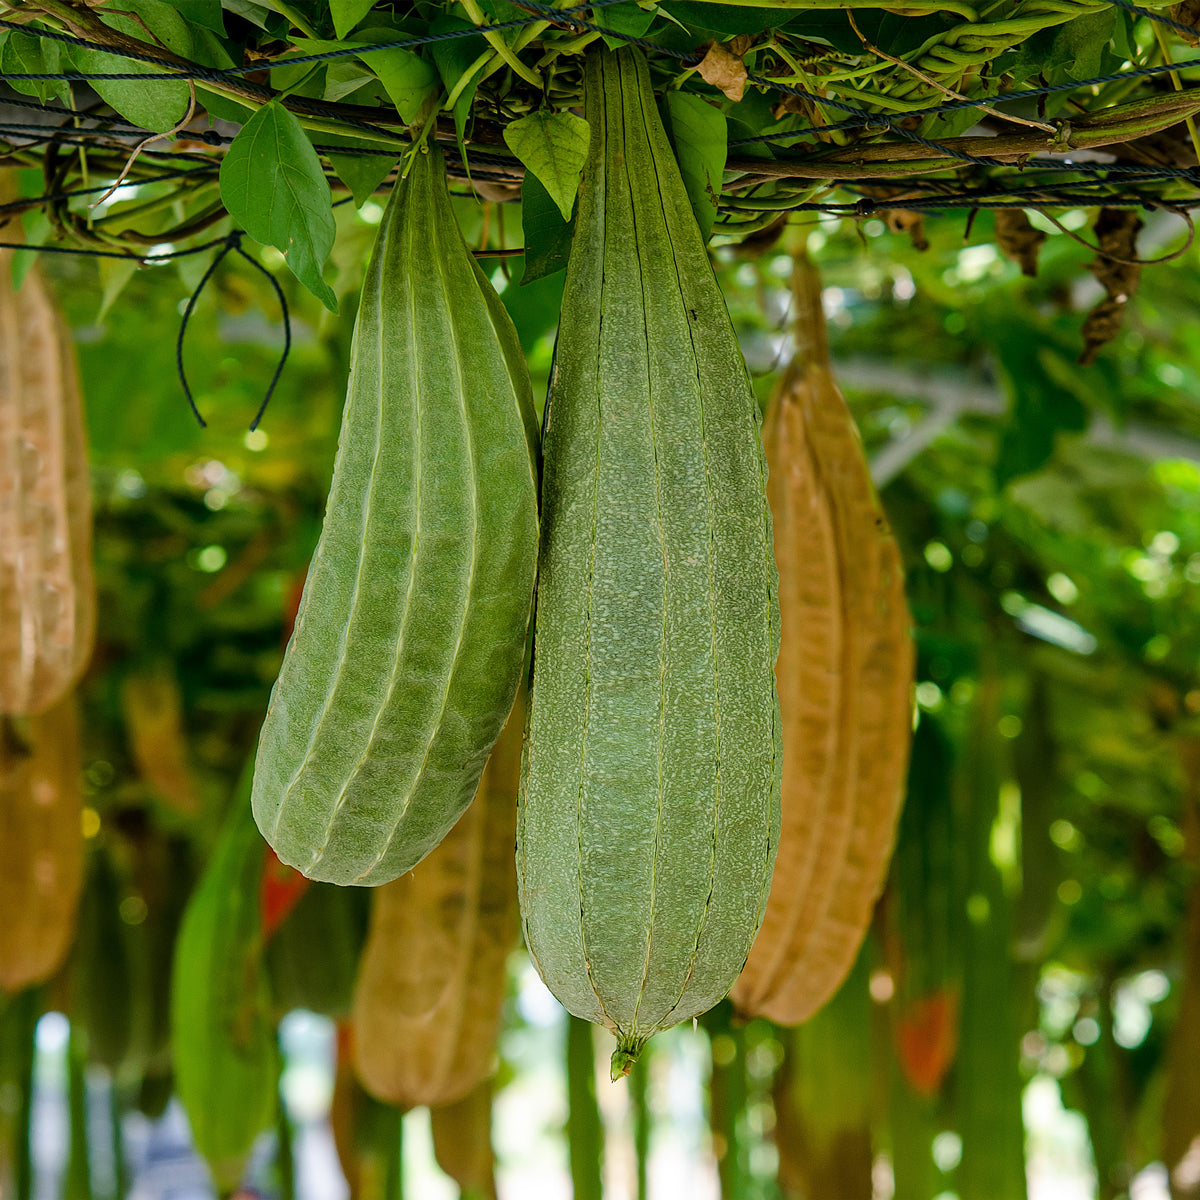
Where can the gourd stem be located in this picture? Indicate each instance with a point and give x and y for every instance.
(809, 330)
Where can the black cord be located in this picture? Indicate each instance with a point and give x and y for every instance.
(232, 241)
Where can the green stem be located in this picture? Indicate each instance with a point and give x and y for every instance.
(727, 1100)
(585, 1136)
(641, 1123)
(464, 79)
(78, 1184)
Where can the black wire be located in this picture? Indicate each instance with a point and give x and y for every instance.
(232, 241)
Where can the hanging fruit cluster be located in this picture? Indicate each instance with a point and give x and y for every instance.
(639, 774)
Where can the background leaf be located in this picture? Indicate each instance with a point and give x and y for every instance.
(347, 14)
(697, 131)
(547, 235)
(362, 173)
(23, 54)
(407, 78)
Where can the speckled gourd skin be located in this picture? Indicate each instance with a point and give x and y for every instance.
(41, 843)
(47, 593)
(410, 639)
(650, 795)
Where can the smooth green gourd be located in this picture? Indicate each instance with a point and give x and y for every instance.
(410, 638)
(222, 1028)
(650, 799)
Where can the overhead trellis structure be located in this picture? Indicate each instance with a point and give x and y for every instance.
(256, 115)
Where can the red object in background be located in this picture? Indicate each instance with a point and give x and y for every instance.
(927, 1039)
(280, 892)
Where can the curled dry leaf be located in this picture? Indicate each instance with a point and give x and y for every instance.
(1018, 239)
(845, 677)
(901, 220)
(432, 976)
(1187, 12)
(722, 66)
(41, 843)
(47, 597)
(1118, 272)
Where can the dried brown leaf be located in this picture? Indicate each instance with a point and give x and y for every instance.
(1187, 12)
(1117, 270)
(152, 709)
(901, 220)
(722, 66)
(1018, 239)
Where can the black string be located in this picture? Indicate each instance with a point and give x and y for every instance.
(232, 241)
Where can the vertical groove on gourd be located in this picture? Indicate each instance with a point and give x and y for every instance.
(47, 597)
(41, 843)
(376, 737)
(646, 836)
(845, 671)
(433, 973)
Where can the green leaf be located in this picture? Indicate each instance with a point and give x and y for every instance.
(408, 79)
(729, 19)
(207, 13)
(274, 188)
(115, 273)
(553, 146)
(547, 235)
(168, 25)
(501, 10)
(154, 106)
(24, 54)
(343, 79)
(1079, 45)
(362, 173)
(698, 134)
(225, 108)
(258, 14)
(347, 14)
(1040, 384)
(629, 19)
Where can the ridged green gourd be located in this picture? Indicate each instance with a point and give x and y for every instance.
(649, 810)
(410, 638)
